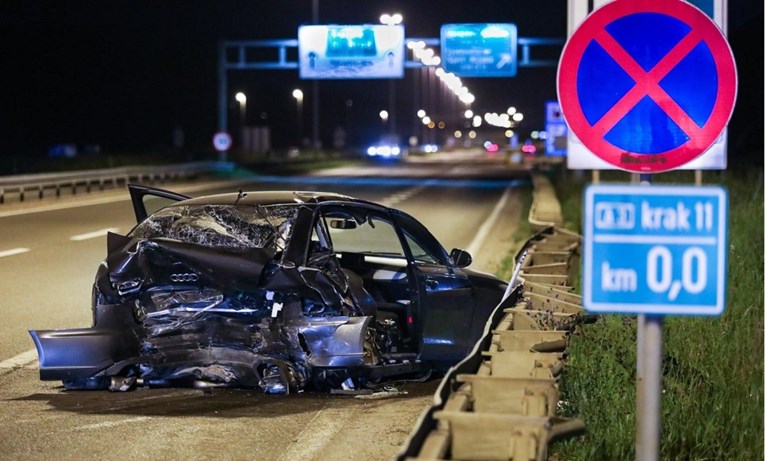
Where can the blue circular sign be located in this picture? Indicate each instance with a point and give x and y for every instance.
(221, 141)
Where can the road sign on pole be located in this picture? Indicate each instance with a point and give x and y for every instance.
(655, 250)
(221, 141)
(557, 130)
(480, 50)
(647, 86)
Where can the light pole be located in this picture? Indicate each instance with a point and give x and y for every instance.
(298, 95)
(242, 99)
(391, 20)
(348, 119)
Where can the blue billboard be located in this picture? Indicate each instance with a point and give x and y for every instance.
(480, 50)
(351, 52)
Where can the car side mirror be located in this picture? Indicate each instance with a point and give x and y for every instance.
(342, 224)
(460, 258)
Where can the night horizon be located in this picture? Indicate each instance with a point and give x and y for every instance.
(123, 77)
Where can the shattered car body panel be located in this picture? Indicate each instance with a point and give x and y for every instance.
(270, 290)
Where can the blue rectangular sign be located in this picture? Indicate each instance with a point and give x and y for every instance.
(351, 52)
(556, 141)
(480, 50)
(655, 249)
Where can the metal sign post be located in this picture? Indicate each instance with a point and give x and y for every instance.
(654, 251)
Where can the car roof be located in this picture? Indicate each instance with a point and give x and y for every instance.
(266, 198)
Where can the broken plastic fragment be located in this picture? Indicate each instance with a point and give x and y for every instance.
(276, 306)
(348, 385)
(273, 381)
(122, 383)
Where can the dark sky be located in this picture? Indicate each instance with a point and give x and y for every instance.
(123, 74)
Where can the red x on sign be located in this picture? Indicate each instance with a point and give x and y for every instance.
(647, 85)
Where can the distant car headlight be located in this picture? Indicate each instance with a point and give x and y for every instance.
(384, 151)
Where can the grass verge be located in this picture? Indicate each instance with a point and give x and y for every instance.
(712, 401)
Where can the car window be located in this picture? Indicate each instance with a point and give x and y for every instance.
(423, 246)
(419, 253)
(372, 236)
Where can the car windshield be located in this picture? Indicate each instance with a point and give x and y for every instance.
(222, 226)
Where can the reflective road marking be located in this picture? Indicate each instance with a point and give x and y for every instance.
(111, 424)
(15, 251)
(92, 235)
(25, 358)
(487, 226)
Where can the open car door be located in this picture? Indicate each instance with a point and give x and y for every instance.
(147, 200)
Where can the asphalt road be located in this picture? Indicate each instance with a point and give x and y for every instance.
(50, 250)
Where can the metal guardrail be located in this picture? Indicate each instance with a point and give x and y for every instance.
(501, 402)
(38, 184)
(545, 208)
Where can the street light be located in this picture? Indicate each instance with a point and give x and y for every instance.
(391, 19)
(384, 116)
(242, 99)
(298, 95)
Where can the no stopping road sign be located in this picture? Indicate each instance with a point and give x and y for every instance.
(647, 85)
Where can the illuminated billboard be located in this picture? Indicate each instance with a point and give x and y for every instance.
(350, 52)
(479, 50)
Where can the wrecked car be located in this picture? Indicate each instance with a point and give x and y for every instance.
(270, 290)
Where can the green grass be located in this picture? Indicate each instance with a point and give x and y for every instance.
(712, 403)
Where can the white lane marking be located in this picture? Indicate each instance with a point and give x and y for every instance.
(14, 251)
(399, 197)
(110, 424)
(487, 225)
(92, 235)
(317, 434)
(23, 359)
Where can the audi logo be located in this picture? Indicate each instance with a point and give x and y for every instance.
(189, 277)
